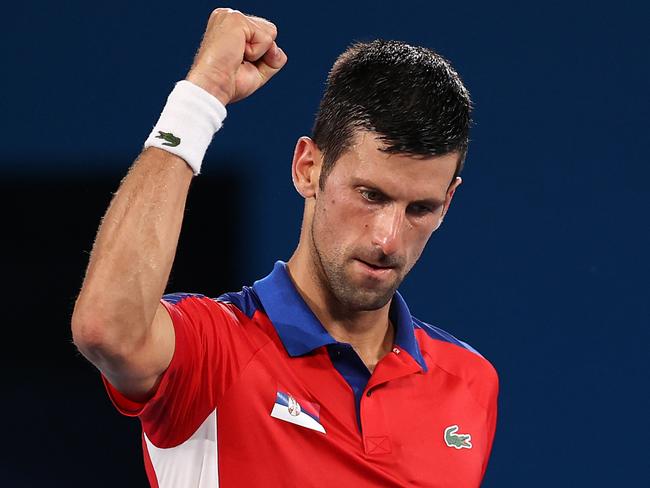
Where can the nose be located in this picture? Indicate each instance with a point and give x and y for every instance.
(387, 229)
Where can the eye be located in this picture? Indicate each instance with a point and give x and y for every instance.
(419, 210)
(372, 195)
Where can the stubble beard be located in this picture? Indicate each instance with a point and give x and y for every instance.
(331, 274)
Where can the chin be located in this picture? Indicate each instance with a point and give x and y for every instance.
(363, 301)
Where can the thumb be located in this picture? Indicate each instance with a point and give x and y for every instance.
(272, 62)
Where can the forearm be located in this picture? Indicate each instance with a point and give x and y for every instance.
(133, 253)
(118, 323)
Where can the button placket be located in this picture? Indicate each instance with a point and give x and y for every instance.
(376, 440)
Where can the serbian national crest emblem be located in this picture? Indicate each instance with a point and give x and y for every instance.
(293, 406)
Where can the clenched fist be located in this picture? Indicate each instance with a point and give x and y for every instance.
(238, 54)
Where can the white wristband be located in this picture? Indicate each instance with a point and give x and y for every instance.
(187, 123)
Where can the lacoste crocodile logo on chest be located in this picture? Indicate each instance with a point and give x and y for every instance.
(455, 440)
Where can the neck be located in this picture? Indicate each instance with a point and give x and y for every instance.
(370, 332)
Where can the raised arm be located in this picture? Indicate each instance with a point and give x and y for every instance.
(118, 323)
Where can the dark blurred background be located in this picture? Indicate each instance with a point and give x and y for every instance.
(542, 263)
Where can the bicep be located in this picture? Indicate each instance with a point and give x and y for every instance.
(137, 374)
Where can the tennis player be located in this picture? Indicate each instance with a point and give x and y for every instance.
(317, 374)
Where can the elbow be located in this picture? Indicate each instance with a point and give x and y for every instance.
(106, 340)
(89, 334)
(97, 335)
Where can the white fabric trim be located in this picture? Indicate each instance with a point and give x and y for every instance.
(192, 464)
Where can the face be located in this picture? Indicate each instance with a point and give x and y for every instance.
(373, 218)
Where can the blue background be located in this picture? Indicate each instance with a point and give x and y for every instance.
(542, 261)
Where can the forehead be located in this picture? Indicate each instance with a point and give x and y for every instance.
(396, 174)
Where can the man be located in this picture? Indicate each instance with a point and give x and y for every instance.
(317, 375)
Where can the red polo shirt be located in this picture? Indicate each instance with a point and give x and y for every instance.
(259, 394)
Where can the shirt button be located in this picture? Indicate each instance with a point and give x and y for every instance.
(368, 393)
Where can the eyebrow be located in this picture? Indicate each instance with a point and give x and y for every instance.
(431, 202)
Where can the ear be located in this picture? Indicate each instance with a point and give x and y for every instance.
(306, 166)
(450, 195)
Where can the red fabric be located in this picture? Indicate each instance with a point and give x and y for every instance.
(225, 361)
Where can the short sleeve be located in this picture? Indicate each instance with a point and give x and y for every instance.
(491, 418)
(203, 366)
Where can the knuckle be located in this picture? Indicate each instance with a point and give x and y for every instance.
(225, 13)
(265, 25)
(219, 12)
(273, 32)
(269, 27)
(237, 15)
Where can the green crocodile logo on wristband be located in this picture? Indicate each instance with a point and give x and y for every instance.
(171, 139)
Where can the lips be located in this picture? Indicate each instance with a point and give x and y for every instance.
(374, 270)
(373, 265)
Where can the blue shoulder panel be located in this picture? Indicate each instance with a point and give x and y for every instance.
(174, 298)
(245, 300)
(441, 335)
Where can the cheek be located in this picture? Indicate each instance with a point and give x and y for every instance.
(342, 218)
(418, 239)
(328, 227)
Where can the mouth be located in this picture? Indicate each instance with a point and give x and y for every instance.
(374, 270)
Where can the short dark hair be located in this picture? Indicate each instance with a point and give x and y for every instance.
(410, 96)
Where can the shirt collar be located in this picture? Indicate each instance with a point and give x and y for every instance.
(299, 329)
